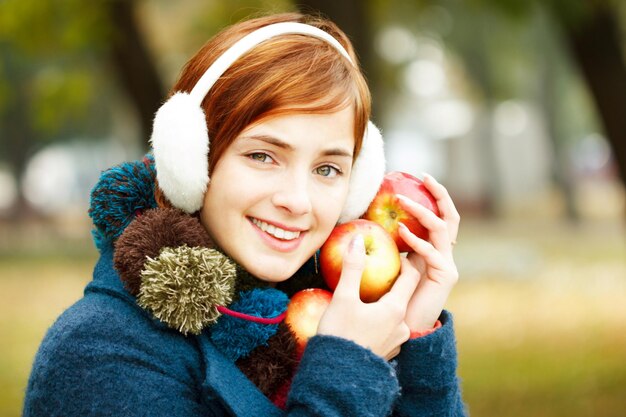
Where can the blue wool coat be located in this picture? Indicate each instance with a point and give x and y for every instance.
(106, 356)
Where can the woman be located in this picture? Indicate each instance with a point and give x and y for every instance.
(183, 317)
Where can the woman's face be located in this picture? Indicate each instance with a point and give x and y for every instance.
(278, 190)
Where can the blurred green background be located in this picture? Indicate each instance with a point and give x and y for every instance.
(517, 106)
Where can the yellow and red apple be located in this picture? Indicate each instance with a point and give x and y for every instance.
(382, 260)
(387, 211)
(304, 312)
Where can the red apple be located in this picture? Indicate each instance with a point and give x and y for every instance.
(304, 312)
(387, 211)
(382, 262)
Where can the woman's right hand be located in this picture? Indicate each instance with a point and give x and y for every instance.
(378, 326)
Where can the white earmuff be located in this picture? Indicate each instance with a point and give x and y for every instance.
(367, 174)
(180, 140)
(180, 144)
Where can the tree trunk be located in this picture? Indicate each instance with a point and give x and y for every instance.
(595, 43)
(474, 50)
(135, 67)
(550, 60)
(21, 140)
(350, 16)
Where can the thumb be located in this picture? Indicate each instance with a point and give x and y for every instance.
(352, 268)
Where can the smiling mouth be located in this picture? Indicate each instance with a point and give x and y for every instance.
(274, 231)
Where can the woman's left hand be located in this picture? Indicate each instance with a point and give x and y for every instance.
(432, 259)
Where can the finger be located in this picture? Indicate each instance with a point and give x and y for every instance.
(446, 206)
(433, 257)
(437, 227)
(441, 194)
(352, 269)
(417, 261)
(405, 285)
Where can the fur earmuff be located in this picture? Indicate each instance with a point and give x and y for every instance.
(367, 175)
(181, 147)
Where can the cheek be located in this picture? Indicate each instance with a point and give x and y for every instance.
(227, 185)
(218, 198)
(328, 207)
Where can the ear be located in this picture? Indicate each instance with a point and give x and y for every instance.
(181, 147)
(367, 175)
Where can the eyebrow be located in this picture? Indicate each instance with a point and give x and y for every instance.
(284, 145)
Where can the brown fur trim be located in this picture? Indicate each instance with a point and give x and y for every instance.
(269, 366)
(148, 234)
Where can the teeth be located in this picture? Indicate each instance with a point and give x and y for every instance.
(275, 231)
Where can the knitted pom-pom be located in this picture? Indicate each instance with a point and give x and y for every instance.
(120, 193)
(237, 337)
(270, 365)
(148, 234)
(183, 286)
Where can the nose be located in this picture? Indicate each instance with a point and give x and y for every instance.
(292, 193)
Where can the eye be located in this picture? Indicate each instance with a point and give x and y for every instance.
(328, 171)
(260, 157)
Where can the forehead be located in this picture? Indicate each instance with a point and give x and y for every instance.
(338, 124)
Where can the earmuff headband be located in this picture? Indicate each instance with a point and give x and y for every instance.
(248, 42)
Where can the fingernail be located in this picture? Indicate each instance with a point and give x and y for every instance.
(357, 243)
(403, 226)
(404, 198)
(428, 177)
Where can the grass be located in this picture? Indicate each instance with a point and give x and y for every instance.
(32, 294)
(539, 315)
(543, 335)
(533, 352)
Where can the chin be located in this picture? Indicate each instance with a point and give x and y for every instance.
(276, 272)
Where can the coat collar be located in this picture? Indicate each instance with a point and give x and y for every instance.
(226, 382)
(106, 279)
(222, 380)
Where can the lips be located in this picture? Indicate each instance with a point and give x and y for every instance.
(275, 231)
